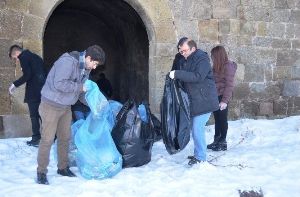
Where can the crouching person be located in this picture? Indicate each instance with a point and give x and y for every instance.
(63, 87)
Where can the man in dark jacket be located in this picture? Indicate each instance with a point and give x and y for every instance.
(34, 77)
(197, 75)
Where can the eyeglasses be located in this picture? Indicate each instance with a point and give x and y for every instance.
(183, 51)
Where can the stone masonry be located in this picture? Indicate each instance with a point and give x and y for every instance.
(261, 36)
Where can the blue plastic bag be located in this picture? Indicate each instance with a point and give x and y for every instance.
(97, 156)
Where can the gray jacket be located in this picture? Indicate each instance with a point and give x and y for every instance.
(64, 82)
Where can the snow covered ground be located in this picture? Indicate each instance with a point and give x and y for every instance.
(263, 154)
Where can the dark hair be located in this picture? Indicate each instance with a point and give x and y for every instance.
(14, 48)
(191, 44)
(181, 41)
(219, 58)
(96, 53)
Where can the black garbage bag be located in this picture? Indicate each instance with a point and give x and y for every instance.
(157, 128)
(175, 116)
(133, 137)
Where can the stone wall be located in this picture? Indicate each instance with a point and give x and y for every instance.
(262, 36)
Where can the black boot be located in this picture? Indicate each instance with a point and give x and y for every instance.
(214, 144)
(221, 146)
(193, 161)
(33, 142)
(42, 178)
(66, 172)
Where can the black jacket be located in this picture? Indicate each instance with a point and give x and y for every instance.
(33, 75)
(177, 61)
(197, 75)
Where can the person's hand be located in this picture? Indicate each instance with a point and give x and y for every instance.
(84, 88)
(222, 106)
(172, 74)
(12, 88)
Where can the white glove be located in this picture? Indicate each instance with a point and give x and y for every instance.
(12, 88)
(172, 74)
(222, 106)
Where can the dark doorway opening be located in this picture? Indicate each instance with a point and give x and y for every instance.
(117, 28)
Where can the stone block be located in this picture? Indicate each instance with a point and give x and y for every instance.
(290, 31)
(7, 76)
(166, 49)
(244, 40)
(241, 91)
(247, 28)
(224, 26)
(201, 10)
(261, 29)
(291, 88)
(280, 15)
(2, 4)
(295, 16)
(5, 107)
(287, 57)
(234, 26)
(296, 44)
(281, 44)
(234, 112)
(275, 30)
(250, 13)
(208, 30)
(16, 126)
(41, 8)
(254, 73)
(240, 74)
(295, 73)
(297, 31)
(280, 106)
(18, 5)
(265, 91)
(266, 108)
(249, 108)
(5, 60)
(36, 46)
(165, 32)
(229, 40)
(32, 28)
(283, 4)
(262, 41)
(281, 72)
(222, 13)
(188, 28)
(258, 3)
(10, 24)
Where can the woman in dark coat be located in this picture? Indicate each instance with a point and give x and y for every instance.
(224, 71)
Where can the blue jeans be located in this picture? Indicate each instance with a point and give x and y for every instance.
(199, 136)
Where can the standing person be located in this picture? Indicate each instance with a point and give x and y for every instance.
(34, 76)
(104, 85)
(197, 76)
(64, 85)
(178, 57)
(224, 71)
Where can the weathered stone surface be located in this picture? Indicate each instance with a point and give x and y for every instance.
(282, 15)
(208, 30)
(247, 28)
(166, 49)
(188, 28)
(7, 76)
(228, 40)
(266, 108)
(224, 26)
(234, 26)
(258, 3)
(36, 46)
(10, 24)
(13, 130)
(2, 4)
(281, 72)
(295, 73)
(295, 16)
(281, 44)
(250, 13)
(287, 58)
(18, 5)
(225, 8)
(281, 4)
(241, 91)
(290, 31)
(41, 8)
(275, 30)
(254, 73)
(262, 41)
(291, 88)
(5, 45)
(240, 74)
(264, 91)
(261, 29)
(244, 40)
(296, 44)
(280, 106)
(5, 107)
(249, 108)
(32, 27)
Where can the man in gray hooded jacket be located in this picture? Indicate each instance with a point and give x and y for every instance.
(63, 87)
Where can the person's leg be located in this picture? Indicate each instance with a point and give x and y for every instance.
(223, 122)
(217, 130)
(50, 117)
(35, 120)
(63, 138)
(199, 136)
(79, 115)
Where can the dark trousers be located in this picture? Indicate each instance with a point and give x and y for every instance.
(221, 124)
(35, 119)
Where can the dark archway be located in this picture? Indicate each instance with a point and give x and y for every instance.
(115, 26)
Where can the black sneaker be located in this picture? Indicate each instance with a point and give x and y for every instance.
(66, 172)
(194, 161)
(42, 178)
(214, 144)
(221, 146)
(34, 143)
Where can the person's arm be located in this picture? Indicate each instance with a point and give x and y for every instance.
(63, 72)
(230, 70)
(26, 69)
(202, 68)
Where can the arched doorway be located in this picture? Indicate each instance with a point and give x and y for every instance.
(115, 26)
